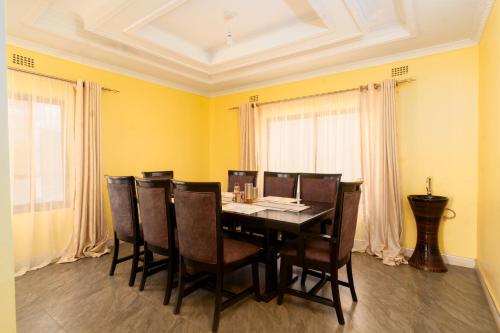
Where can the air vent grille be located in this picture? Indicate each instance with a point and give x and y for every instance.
(21, 60)
(254, 99)
(399, 71)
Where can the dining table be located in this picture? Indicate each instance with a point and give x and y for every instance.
(271, 227)
(268, 228)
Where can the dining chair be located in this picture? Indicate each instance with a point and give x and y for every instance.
(126, 228)
(240, 177)
(201, 244)
(280, 184)
(319, 187)
(325, 253)
(163, 174)
(154, 197)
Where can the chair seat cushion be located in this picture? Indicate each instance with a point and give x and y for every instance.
(235, 250)
(315, 250)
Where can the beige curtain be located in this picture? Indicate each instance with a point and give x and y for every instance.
(248, 136)
(383, 215)
(90, 232)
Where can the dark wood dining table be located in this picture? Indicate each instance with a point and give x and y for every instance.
(269, 224)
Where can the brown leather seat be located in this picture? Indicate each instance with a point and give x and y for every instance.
(324, 254)
(235, 250)
(198, 215)
(240, 177)
(280, 184)
(126, 227)
(316, 250)
(160, 236)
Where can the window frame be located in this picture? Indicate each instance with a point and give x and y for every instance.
(48, 205)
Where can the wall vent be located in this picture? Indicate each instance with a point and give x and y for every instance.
(21, 60)
(253, 99)
(399, 71)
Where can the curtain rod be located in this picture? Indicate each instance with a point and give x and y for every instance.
(55, 78)
(326, 93)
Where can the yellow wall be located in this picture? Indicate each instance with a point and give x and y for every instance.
(148, 126)
(437, 124)
(489, 155)
(144, 127)
(7, 291)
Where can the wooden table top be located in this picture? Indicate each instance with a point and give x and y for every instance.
(286, 220)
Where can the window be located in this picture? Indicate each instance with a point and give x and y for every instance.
(38, 158)
(320, 135)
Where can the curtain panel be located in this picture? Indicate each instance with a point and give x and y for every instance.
(54, 148)
(383, 210)
(41, 149)
(353, 133)
(249, 124)
(90, 232)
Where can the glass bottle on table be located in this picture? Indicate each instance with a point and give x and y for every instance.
(236, 192)
(248, 193)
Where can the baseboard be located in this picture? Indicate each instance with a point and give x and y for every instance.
(491, 303)
(449, 259)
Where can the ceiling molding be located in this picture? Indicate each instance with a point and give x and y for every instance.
(482, 19)
(181, 43)
(353, 66)
(100, 65)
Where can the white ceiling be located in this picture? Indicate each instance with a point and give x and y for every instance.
(182, 43)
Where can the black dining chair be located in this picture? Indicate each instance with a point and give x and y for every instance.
(126, 228)
(201, 244)
(280, 184)
(325, 253)
(163, 174)
(159, 234)
(319, 187)
(240, 177)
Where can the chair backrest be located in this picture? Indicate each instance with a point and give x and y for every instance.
(346, 217)
(240, 177)
(153, 196)
(280, 184)
(163, 174)
(197, 213)
(319, 187)
(121, 190)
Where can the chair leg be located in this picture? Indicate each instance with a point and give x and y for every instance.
(116, 248)
(170, 280)
(303, 277)
(135, 264)
(145, 267)
(351, 280)
(336, 297)
(283, 280)
(180, 292)
(255, 279)
(218, 301)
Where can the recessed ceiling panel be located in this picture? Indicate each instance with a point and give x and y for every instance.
(185, 42)
(206, 23)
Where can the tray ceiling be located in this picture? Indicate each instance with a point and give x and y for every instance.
(184, 43)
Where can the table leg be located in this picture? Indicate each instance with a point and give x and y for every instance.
(271, 263)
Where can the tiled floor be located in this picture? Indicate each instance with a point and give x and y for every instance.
(81, 297)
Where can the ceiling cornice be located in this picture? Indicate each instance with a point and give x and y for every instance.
(263, 84)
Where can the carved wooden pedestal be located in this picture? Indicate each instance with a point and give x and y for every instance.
(428, 211)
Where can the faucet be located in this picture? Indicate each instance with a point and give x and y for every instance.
(429, 186)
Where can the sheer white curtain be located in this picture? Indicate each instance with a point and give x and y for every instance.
(353, 133)
(41, 127)
(319, 134)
